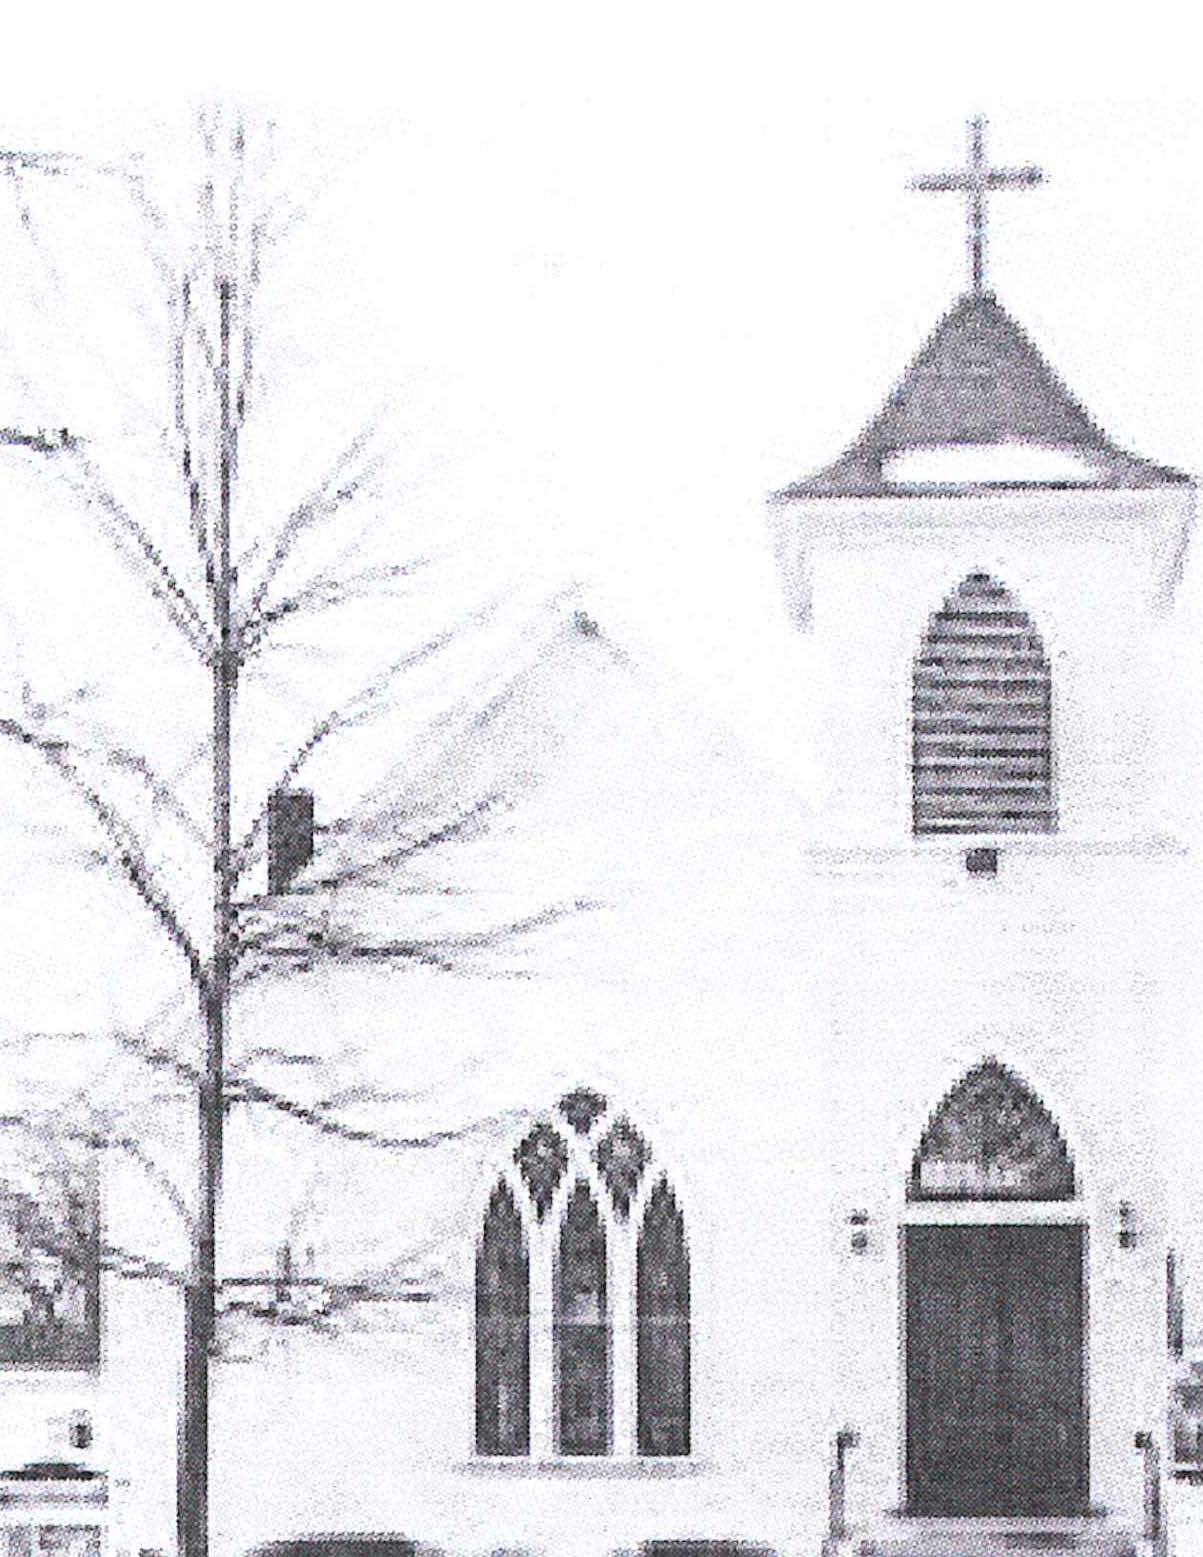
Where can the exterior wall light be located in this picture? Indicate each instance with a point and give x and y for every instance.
(1127, 1225)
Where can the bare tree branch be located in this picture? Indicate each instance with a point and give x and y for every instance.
(157, 1174)
(243, 1089)
(247, 293)
(128, 855)
(336, 488)
(129, 174)
(132, 541)
(302, 942)
(124, 1262)
(327, 591)
(469, 821)
(353, 712)
(110, 751)
(54, 1127)
(187, 327)
(51, 162)
(240, 1088)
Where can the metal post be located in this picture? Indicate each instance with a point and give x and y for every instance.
(837, 1488)
(1153, 1523)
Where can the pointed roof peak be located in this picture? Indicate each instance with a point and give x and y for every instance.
(979, 383)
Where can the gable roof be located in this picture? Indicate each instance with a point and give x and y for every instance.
(979, 380)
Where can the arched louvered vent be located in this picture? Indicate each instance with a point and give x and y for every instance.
(992, 1139)
(982, 718)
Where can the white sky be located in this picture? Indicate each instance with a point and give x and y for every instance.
(629, 268)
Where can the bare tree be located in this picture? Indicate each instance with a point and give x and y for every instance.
(244, 584)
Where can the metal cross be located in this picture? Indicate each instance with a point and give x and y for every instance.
(975, 182)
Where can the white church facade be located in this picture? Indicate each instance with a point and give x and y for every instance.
(830, 1207)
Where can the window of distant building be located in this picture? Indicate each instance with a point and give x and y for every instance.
(982, 718)
(582, 1280)
(50, 1273)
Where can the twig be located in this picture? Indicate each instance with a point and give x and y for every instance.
(325, 499)
(351, 713)
(131, 540)
(128, 855)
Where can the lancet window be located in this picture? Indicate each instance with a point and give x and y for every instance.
(981, 718)
(582, 1282)
(662, 1353)
(582, 1329)
(502, 1330)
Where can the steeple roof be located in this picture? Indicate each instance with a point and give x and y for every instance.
(979, 382)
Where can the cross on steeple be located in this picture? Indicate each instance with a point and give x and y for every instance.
(975, 182)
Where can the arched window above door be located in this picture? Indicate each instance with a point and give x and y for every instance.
(981, 718)
(991, 1139)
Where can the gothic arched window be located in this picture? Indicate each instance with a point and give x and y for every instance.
(582, 1329)
(982, 718)
(992, 1139)
(502, 1330)
(662, 1340)
(583, 1285)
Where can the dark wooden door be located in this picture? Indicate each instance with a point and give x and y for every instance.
(995, 1371)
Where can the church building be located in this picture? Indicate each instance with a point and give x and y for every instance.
(824, 1200)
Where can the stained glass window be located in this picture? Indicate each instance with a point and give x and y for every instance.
(662, 1303)
(992, 1139)
(582, 1108)
(622, 1154)
(582, 1196)
(502, 1331)
(982, 718)
(542, 1158)
(49, 1266)
(582, 1329)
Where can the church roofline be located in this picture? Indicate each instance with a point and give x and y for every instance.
(979, 380)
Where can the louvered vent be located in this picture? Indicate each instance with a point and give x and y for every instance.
(982, 718)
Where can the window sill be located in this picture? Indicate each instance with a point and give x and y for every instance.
(1050, 845)
(52, 1374)
(592, 1467)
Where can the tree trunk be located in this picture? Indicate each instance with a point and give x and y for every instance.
(192, 1512)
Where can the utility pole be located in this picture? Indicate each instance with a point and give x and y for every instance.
(200, 1298)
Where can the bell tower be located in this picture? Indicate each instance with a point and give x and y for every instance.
(982, 575)
(982, 466)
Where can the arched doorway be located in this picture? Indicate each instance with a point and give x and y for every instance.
(995, 1304)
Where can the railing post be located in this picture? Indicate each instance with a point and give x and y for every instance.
(837, 1503)
(1154, 1522)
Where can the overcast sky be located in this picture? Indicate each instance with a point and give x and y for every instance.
(626, 269)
